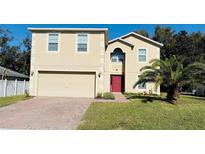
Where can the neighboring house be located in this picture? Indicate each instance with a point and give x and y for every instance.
(12, 83)
(199, 90)
(11, 75)
(81, 62)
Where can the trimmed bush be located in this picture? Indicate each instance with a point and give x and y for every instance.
(99, 95)
(108, 95)
(26, 93)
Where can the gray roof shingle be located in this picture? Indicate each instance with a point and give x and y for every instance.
(11, 73)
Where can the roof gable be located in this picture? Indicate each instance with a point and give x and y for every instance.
(121, 41)
(141, 37)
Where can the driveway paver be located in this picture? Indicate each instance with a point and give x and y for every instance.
(44, 113)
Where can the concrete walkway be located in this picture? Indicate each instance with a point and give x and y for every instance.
(44, 113)
(119, 97)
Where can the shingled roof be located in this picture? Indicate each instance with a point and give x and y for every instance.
(11, 73)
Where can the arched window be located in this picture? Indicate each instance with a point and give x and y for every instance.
(117, 55)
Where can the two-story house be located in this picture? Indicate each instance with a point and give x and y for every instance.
(81, 62)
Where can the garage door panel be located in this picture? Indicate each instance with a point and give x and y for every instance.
(66, 84)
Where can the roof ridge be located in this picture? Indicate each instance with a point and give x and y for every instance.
(71, 29)
(13, 72)
(144, 37)
(119, 39)
(141, 36)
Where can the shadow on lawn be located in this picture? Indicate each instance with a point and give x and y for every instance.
(150, 99)
(145, 98)
(202, 98)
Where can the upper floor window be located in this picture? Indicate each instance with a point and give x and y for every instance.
(142, 55)
(82, 44)
(53, 42)
(117, 55)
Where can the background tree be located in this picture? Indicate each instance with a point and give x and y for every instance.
(165, 35)
(15, 57)
(198, 50)
(4, 46)
(143, 33)
(24, 58)
(9, 58)
(183, 47)
(8, 53)
(4, 40)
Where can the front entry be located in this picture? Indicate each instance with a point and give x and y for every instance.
(117, 83)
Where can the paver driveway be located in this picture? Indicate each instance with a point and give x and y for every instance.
(44, 113)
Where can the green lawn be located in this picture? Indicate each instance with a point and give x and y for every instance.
(4, 101)
(146, 113)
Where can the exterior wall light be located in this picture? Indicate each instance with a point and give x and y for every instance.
(32, 73)
(99, 74)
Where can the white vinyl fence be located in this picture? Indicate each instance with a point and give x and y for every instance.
(13, 87)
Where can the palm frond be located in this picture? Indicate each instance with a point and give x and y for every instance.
(171, 72)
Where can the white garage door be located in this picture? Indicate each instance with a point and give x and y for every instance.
(66, 84)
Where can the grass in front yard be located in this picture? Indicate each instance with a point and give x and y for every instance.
(4, 101)
(146, 113)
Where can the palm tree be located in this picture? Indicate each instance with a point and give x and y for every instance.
(172, 73)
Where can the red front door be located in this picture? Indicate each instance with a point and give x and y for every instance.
(116, 83)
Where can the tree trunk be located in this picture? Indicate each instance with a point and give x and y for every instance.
(173, 94)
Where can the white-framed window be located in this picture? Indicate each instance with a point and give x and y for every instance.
(82, 42)
(53, 42)
(142, 55)
(114, 58)
(142, 86)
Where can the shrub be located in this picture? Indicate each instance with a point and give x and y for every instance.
(99, 95)
(108, 95)
(26, 93)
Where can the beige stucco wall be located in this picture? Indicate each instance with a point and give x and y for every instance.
(132, 65)
(109, 67)
(67, 59)
(117, 68)
(96, 60)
